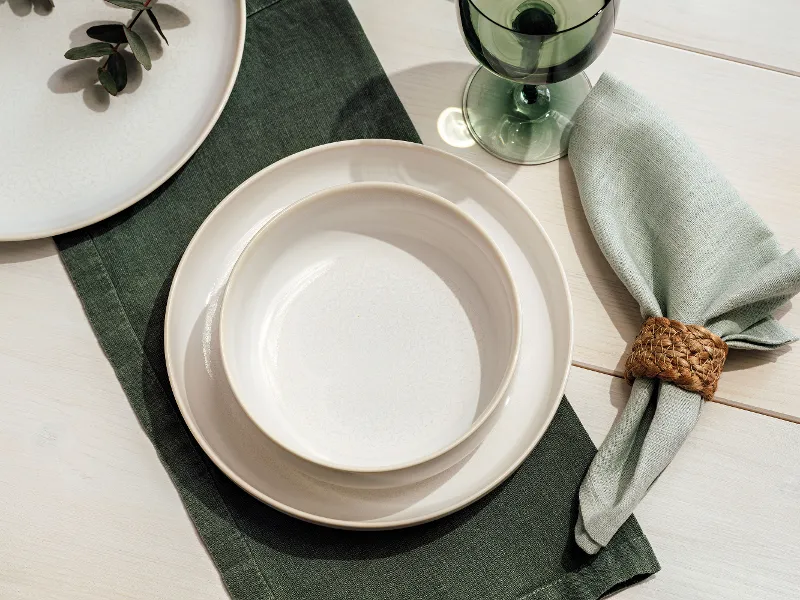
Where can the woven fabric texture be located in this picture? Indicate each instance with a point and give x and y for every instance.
(687, 247)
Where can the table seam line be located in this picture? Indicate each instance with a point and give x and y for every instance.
(717, 399)
(708, 53)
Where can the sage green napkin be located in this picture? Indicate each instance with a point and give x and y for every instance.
(687, 247)
(308, 77)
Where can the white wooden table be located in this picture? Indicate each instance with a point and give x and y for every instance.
(87, 512)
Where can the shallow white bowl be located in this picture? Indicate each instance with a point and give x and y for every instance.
(368, 329)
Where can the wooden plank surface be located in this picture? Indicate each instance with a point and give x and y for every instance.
(87, 512)
(757, 33)
(757, 149)
(722, 518)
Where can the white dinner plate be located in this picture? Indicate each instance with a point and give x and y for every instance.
(257, 464)
(72, 155)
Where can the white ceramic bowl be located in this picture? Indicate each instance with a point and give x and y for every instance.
(371, 330)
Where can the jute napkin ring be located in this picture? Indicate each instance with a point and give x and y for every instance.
(688, 356)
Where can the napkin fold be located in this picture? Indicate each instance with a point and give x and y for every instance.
(687, 247)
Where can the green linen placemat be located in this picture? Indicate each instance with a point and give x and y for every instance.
(304, 62)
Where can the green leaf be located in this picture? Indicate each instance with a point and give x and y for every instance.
(113, 32)
(156, 25)
(107, 81)
(89, 51)
(138, 48)
(132, 4)
(119, 71)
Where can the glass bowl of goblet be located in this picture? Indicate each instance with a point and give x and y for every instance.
(519, 104)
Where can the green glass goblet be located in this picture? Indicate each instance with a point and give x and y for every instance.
(519, 104)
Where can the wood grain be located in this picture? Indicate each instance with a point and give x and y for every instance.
(758, 149)
(722, 518)
(760, 33)
(87, 512)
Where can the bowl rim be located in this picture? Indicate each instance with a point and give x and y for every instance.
(496, 256)
(545, 36)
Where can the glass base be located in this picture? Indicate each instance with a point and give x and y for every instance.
(522, 124)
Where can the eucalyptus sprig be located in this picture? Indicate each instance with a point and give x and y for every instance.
(113, 74)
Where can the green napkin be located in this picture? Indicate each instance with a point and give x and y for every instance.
(687, 247)
(308, 77)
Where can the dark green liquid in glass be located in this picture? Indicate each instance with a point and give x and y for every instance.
(520, 106)
(535, 21)
(533, 27)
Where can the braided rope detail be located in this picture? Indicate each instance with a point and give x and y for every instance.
(689, 356)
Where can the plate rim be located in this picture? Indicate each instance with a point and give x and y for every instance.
(341, 523)
(45, 233)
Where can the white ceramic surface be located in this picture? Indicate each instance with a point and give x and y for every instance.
(71, 155)
(261, 467)
(371, 327)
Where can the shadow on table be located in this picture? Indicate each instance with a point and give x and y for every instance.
(432, 95)
(747, 359)
(25, 251)
(617, 302)
(22, 8)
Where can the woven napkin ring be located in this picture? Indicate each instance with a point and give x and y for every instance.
(689, 356)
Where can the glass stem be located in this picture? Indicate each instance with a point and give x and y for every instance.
(533, 101)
